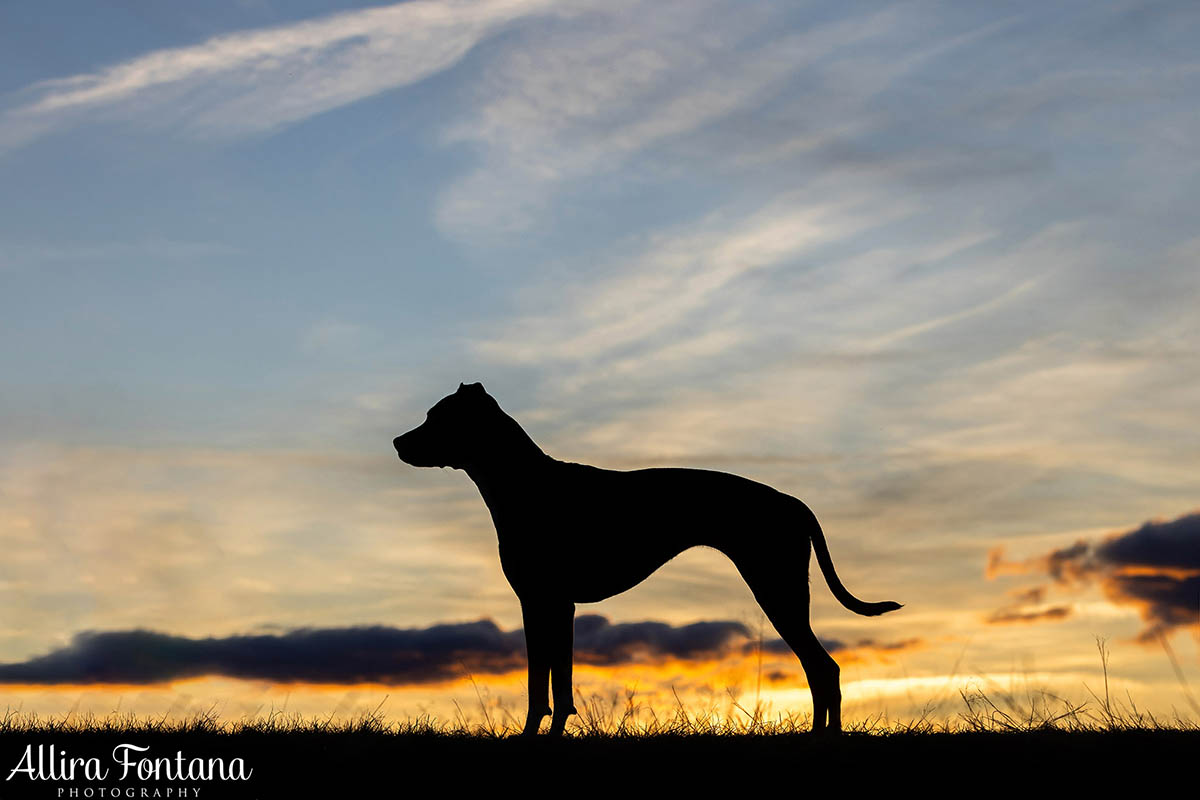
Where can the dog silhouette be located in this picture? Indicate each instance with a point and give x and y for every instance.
(571, 533)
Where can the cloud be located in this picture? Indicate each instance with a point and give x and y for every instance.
(375, 654)
(387, 655)
(680, 275)
(1065, 565)
(1166, 601)
(996, 284)
(1155, 568)
(1165, 546)
(591, 97)
(730, 91)
(253, 81)
(1031, 596)
(1009, 615)
(848, 652)
(330, 655)
(597, 641)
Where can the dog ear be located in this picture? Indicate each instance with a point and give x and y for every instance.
(471, 388)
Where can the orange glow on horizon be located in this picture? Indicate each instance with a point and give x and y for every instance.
(651, 689)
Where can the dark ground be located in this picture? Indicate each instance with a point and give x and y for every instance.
(365, 763)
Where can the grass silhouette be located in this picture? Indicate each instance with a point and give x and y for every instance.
(994, 732)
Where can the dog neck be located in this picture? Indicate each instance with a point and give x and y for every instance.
(509, 454)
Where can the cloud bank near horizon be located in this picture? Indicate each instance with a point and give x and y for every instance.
(382, 654)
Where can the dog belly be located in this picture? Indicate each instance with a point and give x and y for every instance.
(586, 570)
(607, 580)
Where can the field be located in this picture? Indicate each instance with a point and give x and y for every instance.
(994, 745)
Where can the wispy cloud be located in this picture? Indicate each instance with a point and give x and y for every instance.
(680, 275)
(924, 253)
(253, 81)
(586, 100)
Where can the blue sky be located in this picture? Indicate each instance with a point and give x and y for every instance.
(931, 267)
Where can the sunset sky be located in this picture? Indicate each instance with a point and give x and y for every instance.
(931, 267)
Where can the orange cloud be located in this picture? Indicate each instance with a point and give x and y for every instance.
(1065, 565)
(1154, 568)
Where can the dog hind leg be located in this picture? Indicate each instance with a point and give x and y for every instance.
(782, 591)
(823, 675)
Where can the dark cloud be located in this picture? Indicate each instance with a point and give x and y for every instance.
(379, 654)
(875, 650)
(1166, 601)
(1166, 545)
(332, 655)
(854, 650)
(1031, 596)
(1155, 568)
(890, 647)
(597, 641)
(375, 654)
(1010, 615)
(780, 648)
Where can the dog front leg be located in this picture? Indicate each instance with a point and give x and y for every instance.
(562, 644)
(537, 653)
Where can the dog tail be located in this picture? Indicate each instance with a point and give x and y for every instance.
(821, 550)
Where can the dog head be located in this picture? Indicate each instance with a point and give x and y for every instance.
(456, 433)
